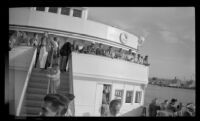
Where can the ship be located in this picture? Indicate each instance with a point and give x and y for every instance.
(88, 74)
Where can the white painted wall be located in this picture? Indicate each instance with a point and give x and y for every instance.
(85, 93)
(88, 99)
(104, 67)
(19, 62)
(28, 17)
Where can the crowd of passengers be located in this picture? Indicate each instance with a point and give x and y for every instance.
(170, 108)
(111, 52)
(22, 38)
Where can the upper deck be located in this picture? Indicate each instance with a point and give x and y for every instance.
(32, 20)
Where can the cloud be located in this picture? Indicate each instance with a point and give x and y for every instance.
(169, 37)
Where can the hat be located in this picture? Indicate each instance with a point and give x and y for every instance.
(61, 99)
(173, 100)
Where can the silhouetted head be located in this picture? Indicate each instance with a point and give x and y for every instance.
(56, 104)
(115, 106)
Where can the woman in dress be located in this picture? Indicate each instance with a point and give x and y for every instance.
(43, 56)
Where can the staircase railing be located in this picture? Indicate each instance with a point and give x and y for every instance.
(26, 83)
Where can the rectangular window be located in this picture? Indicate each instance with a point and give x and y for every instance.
(129, 96)
(138, 96)
(65, 11)
(40, 8)
(77, 13)
(119, 94)
(53, 9)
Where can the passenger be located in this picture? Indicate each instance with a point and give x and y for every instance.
(91, 49)
(129, 56)
(141, 60)
(109, 52)
(55, 48)
(80, 48)
(15, 39)
(65, 51)
(53, 105)
(67, 110)
(85, 49)
(54, 76)
(47, 40)
(100, 50)
(163, 105)
(133, 55)
(114, 107)
(153, 108)
(25, 39)
(119, 54)
(190, 109)
(146, 60)
(105, 104)
(138, 58)
(75, 46)
(171, 106)
(34, 41)
(42, 56)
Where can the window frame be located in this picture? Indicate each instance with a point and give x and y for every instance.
(75, 10)
(51, 11)
(136, 96)
(132, 95)
(64, 8)
(121, 95)
(39, 10)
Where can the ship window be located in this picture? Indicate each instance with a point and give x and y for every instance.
(65, 11)
(77, 13)
(40, 8)
(129, 96)
(119, 94)
(138, 96)
(53, 9)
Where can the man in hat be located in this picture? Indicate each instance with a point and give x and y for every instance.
(56, 105)
(114, 107)
(171, 106)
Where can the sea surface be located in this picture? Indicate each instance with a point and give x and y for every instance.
(162, 93)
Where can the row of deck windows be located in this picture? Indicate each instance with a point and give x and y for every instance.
(64, 11)
(129, 96)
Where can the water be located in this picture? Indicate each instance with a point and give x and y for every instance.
(162, 93)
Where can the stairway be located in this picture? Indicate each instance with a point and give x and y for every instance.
(37, 89)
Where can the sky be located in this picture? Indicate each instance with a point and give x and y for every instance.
(169, 36)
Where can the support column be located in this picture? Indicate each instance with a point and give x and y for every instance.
(59, 10)
(71, 12)
(85, 14)
(46, 9)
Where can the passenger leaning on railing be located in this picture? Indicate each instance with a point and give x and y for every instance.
(64, 52)
(91, 49)
(133, 55)
(109, 52)
(14, 39)
(146, 60)
(129, 56)
(100, 50)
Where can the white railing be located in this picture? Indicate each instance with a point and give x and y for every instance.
(26, 83)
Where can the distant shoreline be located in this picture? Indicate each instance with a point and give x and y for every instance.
(173, 87)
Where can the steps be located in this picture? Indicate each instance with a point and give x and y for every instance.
(37, 89)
